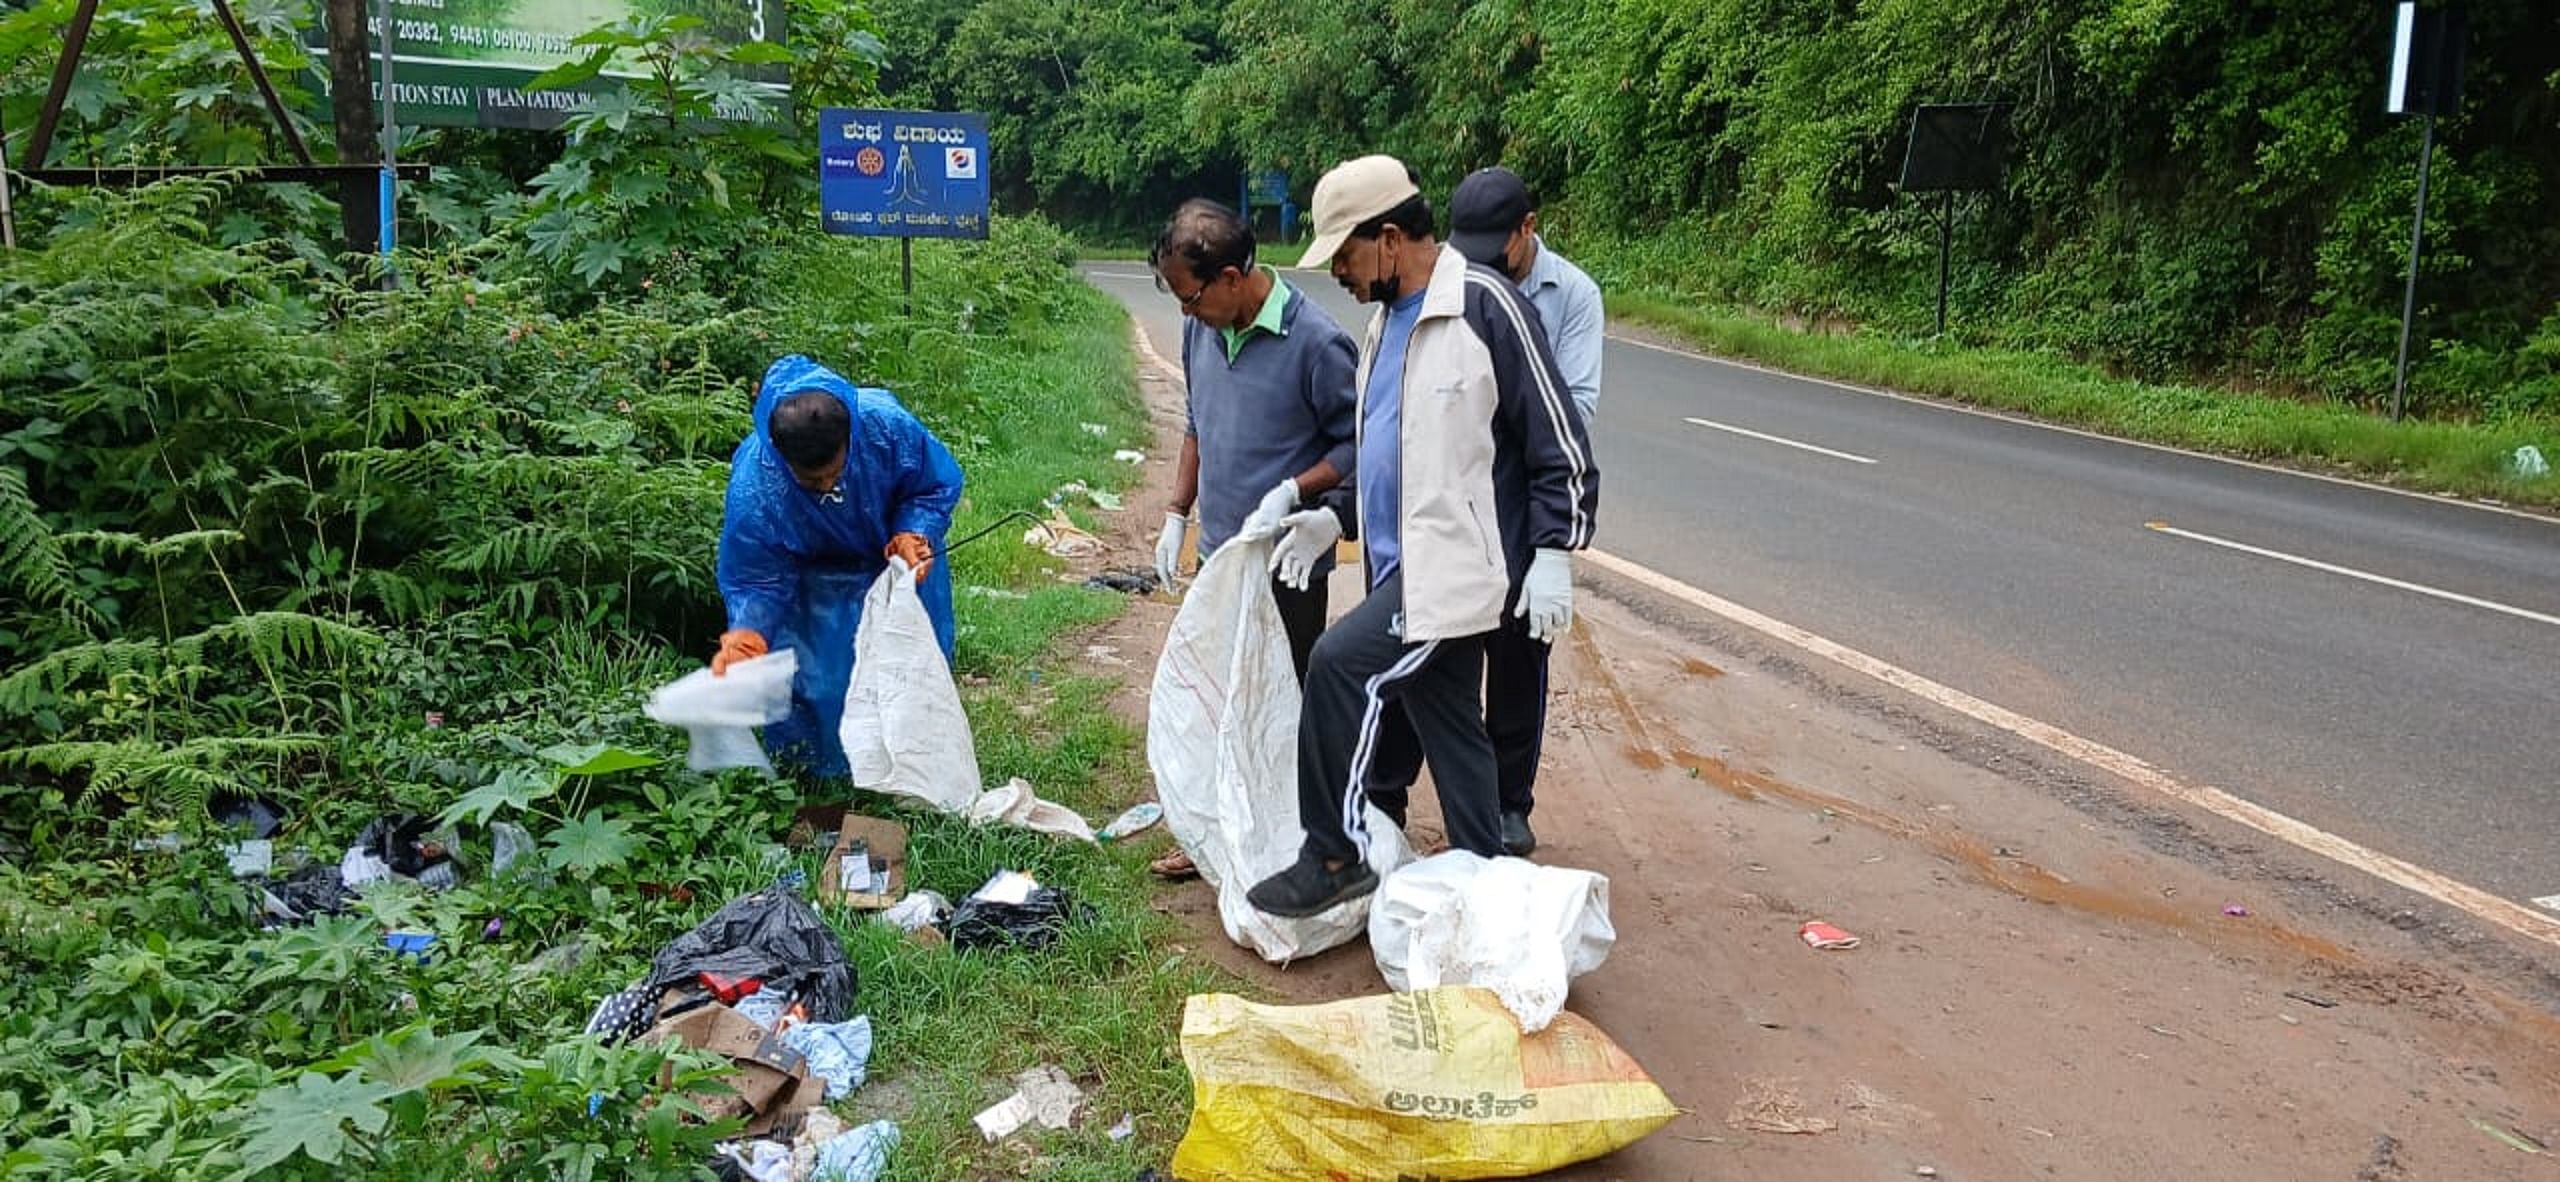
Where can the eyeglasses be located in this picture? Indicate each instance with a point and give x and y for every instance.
(1187, 300)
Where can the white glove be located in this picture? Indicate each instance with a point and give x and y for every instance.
(1275, 505)
(1311, 536)
(1546, 596)
(1177, 528)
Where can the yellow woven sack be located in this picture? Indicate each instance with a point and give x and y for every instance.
(1438, 1083)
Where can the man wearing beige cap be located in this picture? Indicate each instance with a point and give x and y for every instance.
(1474, 482)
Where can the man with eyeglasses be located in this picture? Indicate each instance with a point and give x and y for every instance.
(1269, 414)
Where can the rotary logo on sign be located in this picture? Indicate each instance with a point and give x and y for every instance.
(960, 164)
(869, 162)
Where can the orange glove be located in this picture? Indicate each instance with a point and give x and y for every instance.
(737, 644)
(917, 551)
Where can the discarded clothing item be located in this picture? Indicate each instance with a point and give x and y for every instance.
(771, 935)
(1438, 1083)
(857, 1156)
(1043, 1095)
(1014, 910)
(719, 712)
(838, 1052)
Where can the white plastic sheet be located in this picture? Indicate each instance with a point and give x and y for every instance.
(1222, 733)
(720, 713)
(904, 731)
(1522, 930)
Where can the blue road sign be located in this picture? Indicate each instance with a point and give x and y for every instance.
(902, 174)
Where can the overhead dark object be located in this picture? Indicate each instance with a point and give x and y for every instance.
(1956, 146)
(2428, 52)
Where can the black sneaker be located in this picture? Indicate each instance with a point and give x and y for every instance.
(1517, 840)
(1306, 888)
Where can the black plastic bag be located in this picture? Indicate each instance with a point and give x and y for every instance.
(771, 936)
(1033, 924)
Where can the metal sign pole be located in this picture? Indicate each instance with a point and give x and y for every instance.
(390, 139)
(907, 274)
(1946, 244)
(8, 219)
(2409, 293)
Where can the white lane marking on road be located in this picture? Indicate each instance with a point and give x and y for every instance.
(2480, 904)
(1172, 372)
(1779, 439)
(2085, 433)
(2162, 527)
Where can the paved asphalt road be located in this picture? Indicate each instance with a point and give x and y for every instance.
(2020, 564)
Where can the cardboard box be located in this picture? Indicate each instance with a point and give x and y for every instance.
(772, 1080)
(886, 844)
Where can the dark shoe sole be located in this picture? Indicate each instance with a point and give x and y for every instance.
(1352, 888)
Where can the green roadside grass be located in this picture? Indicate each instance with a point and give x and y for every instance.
(2458, 459)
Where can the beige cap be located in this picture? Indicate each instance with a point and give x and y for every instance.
(1354, 192)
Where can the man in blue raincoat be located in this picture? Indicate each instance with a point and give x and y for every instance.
(834, 481)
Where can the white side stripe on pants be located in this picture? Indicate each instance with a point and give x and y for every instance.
(1355, 795)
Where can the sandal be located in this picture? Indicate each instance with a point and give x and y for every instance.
(1174, 867)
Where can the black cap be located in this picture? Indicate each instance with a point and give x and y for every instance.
(1485, 212)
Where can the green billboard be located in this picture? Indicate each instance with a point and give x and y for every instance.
(464, 63)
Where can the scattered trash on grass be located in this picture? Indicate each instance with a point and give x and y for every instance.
(1127, 582)
(838, 1052)
(1014, 804)
(1061, 538)
(1042, 1095)
(1139, 818)
(770, 936)
(1129, 456)
(1014, 911)
(2527, 462)
(1127, 1128)
(922, 909)
(866, 869)
(2236, 911)
(856, 1156)
(1817, 934)
(1075, 490)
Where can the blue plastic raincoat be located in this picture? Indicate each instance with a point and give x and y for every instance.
(795, 565)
